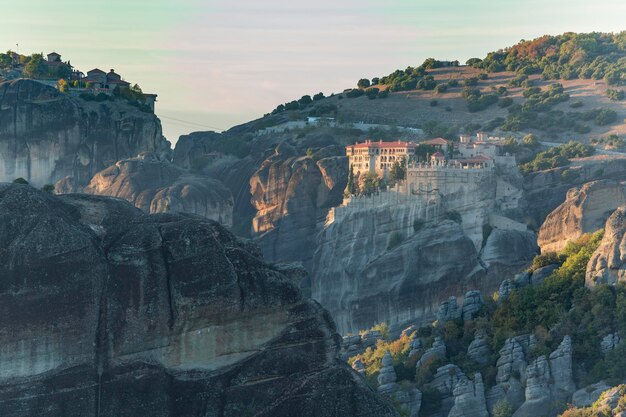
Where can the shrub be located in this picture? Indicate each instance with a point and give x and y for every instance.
(505, 102)
(470, 82)
(354, 93)
(502, 409)
(363, 83)
(383, 94)
(576, 104)
(20, 180)
(48, 188)
(453, 83)
(605, 117)
(441, 88)
(615, 95)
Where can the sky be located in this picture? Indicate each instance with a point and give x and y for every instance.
(218, 63)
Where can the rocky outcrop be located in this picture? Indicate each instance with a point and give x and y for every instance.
(508, 250)
(472, 303)
(46, 135)
(532, 386)
(479, 350)
(292, 195)
(387, 376)
(469, 398)
(546, 190)
(158, 186)
(585, 210)
(107, 311)
(585, 397)
(436, 352)
(607, 264)
(609, 342)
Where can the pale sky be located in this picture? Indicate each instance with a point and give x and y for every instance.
(218, 63)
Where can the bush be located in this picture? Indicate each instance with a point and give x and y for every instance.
(605, 117)
(615, 95)
(576, 104)
(363, 83)
(470, 82)
(441, 88)
(453, 83)
(48, 188)
(354, 93)
(383, 94)
(502, 409)
(20, 180)
(505, 102)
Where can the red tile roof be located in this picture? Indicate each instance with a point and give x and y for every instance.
(436, 141)
(381, 144)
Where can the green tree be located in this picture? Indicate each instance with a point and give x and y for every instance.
(62, 85)
(36, 67)
(371, 183)
(398, 171)
(48, 188)
(351, 184)
(530, 141)
(502, 409)
(363, 83)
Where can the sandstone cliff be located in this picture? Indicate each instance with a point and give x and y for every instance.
(607, 264)
(107, 311)
(157, 186)
(585, 210)
(546, 190)
(292, 195)
(46, 135)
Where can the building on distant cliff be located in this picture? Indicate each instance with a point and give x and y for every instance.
(101, 79)
(379, 156)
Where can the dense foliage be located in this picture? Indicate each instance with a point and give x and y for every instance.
(557, 156)
(561, 305)
(571, 55)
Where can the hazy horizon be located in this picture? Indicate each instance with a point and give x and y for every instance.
(215, 64)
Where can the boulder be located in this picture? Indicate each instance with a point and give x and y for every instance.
(469, 398)
(472, 303)
(539, 275)
(479, 350)
(448, 310)
(108, 311)
(436, 352)
(157, 186)
(387, 376)
(585, 397)
(609, 342)
(410, 400)
(606, 265)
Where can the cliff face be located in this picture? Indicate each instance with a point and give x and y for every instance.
(585, 210)
(546, 190)
(292, 196)
(607, 264)
(394, 257)
(46, 135)
(108, 311)
(157, 186)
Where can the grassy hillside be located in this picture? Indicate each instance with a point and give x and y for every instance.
(559, 87)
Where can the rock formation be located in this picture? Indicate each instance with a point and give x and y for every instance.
(606, 265)
(546, 190)
(479, 349)
(469, 398)
(292, 195)
(436, 352)
(609, 342)
(158, 186)
(585, 210)
(587, 396)
(108, 311)
(46, 135)
(387, 376)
